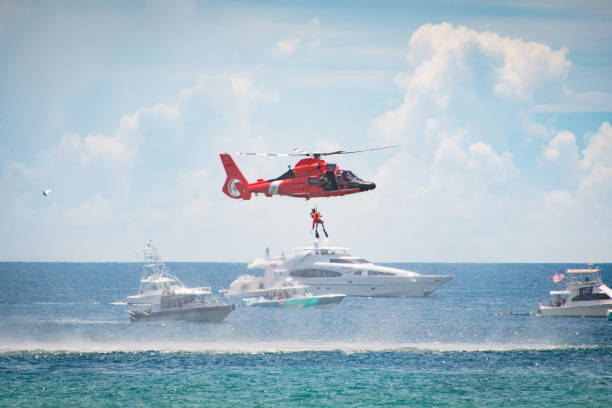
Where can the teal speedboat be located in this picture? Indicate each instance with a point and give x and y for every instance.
(294, 296)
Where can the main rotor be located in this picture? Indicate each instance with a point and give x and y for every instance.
(316, 155)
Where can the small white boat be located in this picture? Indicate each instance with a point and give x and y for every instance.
(329, 270)
(585, 295)
(156, 278)
(293, 296)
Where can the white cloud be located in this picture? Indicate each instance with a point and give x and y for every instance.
(287, 46)
(314, 21)
(537, 130)
(556, 197)
(598, 182)
(449, 157)
(599, 148)
(488, 164)
(584, 203)
(562, 149)
(451, 63)
(94, 212)
(314, 43)
(521, 66)
(116, 149)
(243, 87)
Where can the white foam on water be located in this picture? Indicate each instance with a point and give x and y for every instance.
(87, 321)
(260, 347)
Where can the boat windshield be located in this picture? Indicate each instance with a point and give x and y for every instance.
(151, 286)
(586, 277)
(349, 260)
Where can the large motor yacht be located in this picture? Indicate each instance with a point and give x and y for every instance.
(585, 295)
(157, 278)
(326, 269)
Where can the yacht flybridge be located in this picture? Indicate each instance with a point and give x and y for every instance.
(156, 278)
(326, 270)
(585, 295)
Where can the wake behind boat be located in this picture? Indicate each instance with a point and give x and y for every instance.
(585, 295)
(328, 270)
(156, 278)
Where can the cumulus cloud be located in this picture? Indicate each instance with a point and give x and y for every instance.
(97, 211)
(556, 197)
(243, 87)
(562, 148)
(287, 46)
(487, 163)
(599, 148)
(118, 148)
(451, 62)
(521, 67)
(589, 191)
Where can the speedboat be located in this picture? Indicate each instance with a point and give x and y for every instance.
(295, 296)
(156, 278)
(585, 295)
(328, 270)
(187, 308)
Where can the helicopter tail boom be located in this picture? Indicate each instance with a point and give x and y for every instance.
(236, 185)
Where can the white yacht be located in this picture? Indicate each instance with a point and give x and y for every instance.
(156, 278)
(585, 295)
(328, 270)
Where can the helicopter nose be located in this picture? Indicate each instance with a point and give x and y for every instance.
(367, 186)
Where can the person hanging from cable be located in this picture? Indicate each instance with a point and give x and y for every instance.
(316, 220)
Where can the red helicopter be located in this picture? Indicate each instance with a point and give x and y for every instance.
(311, 177)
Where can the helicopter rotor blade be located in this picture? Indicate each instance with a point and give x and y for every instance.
(268, 154)
(301, 152)
(354, 151)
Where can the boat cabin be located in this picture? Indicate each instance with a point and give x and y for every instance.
(584, 276)
(559, 297)
(157, 284)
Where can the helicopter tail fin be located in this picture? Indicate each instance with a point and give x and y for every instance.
(235, 184)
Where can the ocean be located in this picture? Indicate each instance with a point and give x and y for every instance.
(66, 340)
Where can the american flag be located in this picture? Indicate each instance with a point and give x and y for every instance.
(558, 277)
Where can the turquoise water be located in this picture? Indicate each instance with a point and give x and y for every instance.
(65, 339)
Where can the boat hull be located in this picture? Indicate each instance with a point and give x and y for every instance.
(308, 301)
(417, 286)
(593, 310)
(201, 314)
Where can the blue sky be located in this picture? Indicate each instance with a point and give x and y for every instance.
(502, 113)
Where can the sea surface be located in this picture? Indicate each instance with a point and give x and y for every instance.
(66, 340)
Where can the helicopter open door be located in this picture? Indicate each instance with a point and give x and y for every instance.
(340, 181)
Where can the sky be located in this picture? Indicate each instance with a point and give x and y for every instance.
(501, 112)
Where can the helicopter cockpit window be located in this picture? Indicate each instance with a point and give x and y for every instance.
(350, 176)
(331, 166)
(286, 175)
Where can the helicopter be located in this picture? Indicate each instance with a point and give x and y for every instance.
(311, 177)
